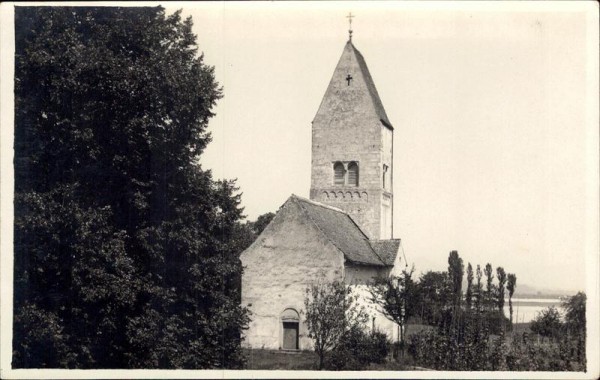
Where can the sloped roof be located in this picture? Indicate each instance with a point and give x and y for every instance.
(386, 249)
(340, 96)
(370, 86)
(339, 228)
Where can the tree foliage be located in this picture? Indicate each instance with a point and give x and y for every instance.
(456, 271)
(575, 322)
(261, 223)
(469, 293)
(356, 349)
(547, 323)
(575, 311)
(434, 296)
(569, 330)
(124, 256)
(440, 352)
(478, 290)
(501, 288)
(489, 293)
(396, 297)
(471, 341)
(331, 311)
(510, 286)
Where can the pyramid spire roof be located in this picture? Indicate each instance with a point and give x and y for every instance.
(352, 87)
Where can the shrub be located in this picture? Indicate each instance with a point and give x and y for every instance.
(357, 349)
(379, 347)
(496, 322)
(436, 350)
(547, 323)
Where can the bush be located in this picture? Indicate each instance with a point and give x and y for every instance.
(435, 350)
(547, 323)
(465, 350)
(496, 322)
(357, 349)
(379, 347)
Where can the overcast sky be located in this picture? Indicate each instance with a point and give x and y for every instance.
(492, 152)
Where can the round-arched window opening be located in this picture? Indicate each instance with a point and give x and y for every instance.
(339, 174)
(353, 174)
(290, 315)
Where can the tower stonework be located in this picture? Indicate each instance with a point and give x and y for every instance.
(352, 148)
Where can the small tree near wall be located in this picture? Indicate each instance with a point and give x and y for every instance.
(397, 298)
(331, 309)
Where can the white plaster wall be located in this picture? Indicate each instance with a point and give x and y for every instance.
(289, 255)
(359, 278)
(399, 265)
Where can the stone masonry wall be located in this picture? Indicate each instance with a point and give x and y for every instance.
(347, 128)
(387, 158)
(290, 254)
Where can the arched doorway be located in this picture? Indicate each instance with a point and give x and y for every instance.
(290, 320)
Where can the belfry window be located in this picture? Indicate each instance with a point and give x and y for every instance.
(339, 174)
(353, 174)
(385, 176)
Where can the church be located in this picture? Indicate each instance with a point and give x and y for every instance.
(344, 232)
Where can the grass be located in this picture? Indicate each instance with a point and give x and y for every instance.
(520, 328)
(307, 361)
(282, 360)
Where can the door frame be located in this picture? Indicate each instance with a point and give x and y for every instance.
(289, 315)
(296, 338)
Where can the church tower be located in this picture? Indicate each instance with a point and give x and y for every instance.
(352, 148)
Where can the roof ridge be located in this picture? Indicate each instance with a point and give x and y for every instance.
(365, 237)
(386, 240)
(371, 88)
(331, 80)
(295, 197)
(319, 204)
(376, 254)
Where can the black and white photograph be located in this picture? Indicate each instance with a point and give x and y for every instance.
(348, 189)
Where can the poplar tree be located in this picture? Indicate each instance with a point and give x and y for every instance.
(479, 289)
(456, 272)
(510, 286)
(501, 284)
(489, 288)
(469, 295)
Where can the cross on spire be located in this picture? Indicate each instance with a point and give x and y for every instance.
(349, 78)
(349, 17)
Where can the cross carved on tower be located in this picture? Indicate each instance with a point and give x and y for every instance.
(349, 78)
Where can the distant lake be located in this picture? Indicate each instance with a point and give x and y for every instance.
(525, 309)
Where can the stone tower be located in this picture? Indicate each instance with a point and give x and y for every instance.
(352, 148)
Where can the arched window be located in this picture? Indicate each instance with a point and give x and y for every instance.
(353, 174)
(290, 320)
(339, 174)
(385, 176)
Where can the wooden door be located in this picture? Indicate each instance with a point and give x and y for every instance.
(290, 335)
